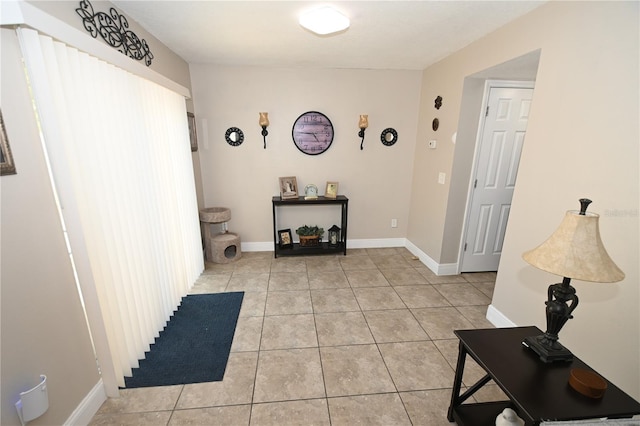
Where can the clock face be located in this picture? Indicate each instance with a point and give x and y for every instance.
(312, 133)
(311, 190)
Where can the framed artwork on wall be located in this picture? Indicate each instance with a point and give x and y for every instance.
(288, 188)
(332, 190)
(7, 167)
(193, 136)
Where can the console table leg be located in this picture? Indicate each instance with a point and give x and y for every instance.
(457, 381)
(275, 238)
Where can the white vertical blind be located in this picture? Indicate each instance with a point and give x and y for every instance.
(120, 157)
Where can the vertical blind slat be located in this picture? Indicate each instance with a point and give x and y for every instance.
(127, 156)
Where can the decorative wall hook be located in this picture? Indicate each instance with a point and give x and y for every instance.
(264, 122)
(438, 102)
(363, 123)
(114, 30)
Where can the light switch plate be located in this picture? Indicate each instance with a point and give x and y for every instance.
(442, 178)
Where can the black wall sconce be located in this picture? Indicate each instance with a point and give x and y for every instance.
(264, 122)
(363, 123)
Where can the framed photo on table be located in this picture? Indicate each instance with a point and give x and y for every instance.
(288, 188)
(332, 190)
(285, 238)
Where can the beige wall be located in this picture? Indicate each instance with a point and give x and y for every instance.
(377, 179)
(164, 60)
(43, 327)
(582, 141)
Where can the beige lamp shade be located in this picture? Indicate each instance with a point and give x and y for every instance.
(575, 251)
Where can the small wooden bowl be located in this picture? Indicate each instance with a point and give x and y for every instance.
(587, 383)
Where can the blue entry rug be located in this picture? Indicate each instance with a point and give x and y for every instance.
(194, 346)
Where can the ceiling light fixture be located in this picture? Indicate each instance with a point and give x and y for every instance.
(324, 20)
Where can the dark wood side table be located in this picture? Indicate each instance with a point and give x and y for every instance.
(537, 391)
(324, 248)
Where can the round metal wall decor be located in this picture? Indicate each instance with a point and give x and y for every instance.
(435, 124)
(312, 133)
(389, 136)
(234, 136)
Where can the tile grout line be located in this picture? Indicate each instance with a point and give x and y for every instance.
(247, 269)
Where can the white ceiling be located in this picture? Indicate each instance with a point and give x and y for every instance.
(407, 35)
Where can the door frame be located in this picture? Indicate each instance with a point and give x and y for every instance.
(488, 85)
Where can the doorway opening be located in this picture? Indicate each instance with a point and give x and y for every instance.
(473, 106)
(499, 145)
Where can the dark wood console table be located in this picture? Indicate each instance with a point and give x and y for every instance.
(324, 247)
(537, 391)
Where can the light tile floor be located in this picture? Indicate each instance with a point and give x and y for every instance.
(364, 339)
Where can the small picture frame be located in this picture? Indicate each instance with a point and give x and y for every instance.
(332, 190)
(285, 239)
(288, 188)
(7, 167)
(193, 136)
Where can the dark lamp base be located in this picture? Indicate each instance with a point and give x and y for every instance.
(540, 345)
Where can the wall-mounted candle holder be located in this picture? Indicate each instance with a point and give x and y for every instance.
(363, 123)
(264, 122)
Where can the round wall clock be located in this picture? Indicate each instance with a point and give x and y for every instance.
(389, 136)
(312, 133)
(234, 136)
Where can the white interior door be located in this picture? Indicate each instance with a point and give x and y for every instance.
(496, 170)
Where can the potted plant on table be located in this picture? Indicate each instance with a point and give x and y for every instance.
(310, 236)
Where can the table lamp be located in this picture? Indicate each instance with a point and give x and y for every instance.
(573, 251)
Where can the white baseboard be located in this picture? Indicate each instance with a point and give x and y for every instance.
(498, 319)
(89, 406)
(376, 243)
(447, 269)
(259, 246)
(353, 244)
(438, 269)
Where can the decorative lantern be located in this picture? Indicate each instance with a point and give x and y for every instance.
(334, 236)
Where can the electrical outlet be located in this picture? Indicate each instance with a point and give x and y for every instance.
(442, 178)
(394, 223)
